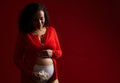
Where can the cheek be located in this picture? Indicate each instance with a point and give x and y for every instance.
(43, 21)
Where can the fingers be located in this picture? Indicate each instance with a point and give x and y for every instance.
(45, 53)
(49, 52)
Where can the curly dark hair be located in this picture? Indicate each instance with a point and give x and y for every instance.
(27, 15)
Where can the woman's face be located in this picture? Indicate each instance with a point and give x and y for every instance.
(38, 20)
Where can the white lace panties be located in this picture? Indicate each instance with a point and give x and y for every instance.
(45, 72)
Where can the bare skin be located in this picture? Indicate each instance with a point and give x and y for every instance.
(55, 81)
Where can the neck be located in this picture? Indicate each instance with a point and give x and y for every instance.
(41, 28)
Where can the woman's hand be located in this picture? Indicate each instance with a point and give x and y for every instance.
(49, 52)
(46, 53)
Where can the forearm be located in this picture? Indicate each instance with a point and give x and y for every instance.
(57, 53)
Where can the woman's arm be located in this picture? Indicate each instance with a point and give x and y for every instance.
(57, 52)
(19, 54)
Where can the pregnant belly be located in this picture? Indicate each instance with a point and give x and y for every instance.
(44, 61)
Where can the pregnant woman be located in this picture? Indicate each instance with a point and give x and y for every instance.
(37, 46)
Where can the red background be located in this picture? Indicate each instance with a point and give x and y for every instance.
(89, 35)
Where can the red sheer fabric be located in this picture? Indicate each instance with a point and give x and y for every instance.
(28, 45)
